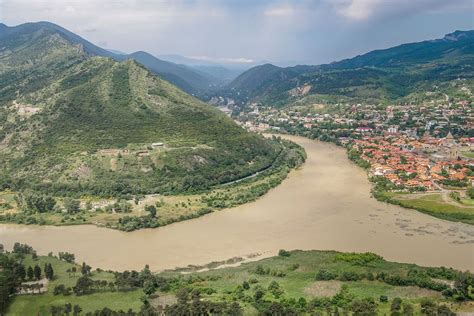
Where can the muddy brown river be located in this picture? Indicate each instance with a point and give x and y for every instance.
(325, 204)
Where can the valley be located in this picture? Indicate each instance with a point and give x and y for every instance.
(195, 185)
(325, 204)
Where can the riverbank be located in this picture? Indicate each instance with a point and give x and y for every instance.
(439, 204)
(134, 213)
(325, 204)
(434, 203)
(300, 281)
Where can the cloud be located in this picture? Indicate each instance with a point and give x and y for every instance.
(280, 10)
(359, 10)
(247, 30)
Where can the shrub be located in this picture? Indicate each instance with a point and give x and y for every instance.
(284, 253)
(324, 275)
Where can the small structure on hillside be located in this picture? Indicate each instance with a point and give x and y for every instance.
(157, 144)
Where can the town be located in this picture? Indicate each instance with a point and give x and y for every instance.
(416, 148)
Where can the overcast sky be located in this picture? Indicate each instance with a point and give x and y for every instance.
(302, 31)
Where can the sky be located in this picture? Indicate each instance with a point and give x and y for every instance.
(249, 31)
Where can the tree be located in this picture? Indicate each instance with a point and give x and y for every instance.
(72, 206)
(365, 306)
(258, 295)
(76, 310)
(21, 272)
(83, 285)
(284, 253)
(48, 271)
(470, 192)
(67, 308)
(30, 273)
(85, 269)
(444, 310)
(464, 286)
(396, 306)
(151, 209)
(428, 307)
(66, 256)
(37, 272)
(149, 287)
(234, 309)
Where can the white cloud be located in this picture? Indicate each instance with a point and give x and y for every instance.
(280, 10)
(360, 10)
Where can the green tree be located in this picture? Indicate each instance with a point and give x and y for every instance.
(151, 209)
(21, 272)
(396, 306)
(37, 272)
(83, 286)
(470, 192)
(48, 271)
(149, 287)
(30, 273)
(76, 310)
(72, 206)
(85, 269)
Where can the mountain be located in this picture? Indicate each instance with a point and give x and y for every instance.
(183, 77)
(74, 123)
(189, 80)
(381, 75)
(224, 72)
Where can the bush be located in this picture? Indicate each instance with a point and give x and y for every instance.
(324, 275)
(284, 253)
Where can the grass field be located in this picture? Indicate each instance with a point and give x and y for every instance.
(296, 279)
(40, 304)
(434, 205)
(299, 279)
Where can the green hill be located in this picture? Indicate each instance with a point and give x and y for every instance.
(382, 75)
(186, 78)
(72, 122)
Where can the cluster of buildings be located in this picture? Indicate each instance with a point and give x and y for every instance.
(416, 163)
(410, 145)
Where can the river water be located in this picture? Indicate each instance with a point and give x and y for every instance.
(325, 204)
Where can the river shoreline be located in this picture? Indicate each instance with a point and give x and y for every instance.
(324, 205)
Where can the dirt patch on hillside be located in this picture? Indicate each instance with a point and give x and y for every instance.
(163, 300)
(413, 292)
(323, 288)
(25, 110)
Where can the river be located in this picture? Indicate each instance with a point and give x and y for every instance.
(325, 204)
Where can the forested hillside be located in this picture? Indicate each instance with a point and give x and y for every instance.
(72, 122)
(378, 76)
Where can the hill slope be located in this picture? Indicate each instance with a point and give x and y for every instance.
(381, 75)
(185, 78)
(70, 122)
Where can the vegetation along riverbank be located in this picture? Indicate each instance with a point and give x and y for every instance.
(129, 212)
(295, 282)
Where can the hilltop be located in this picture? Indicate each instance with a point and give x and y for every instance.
(393, 74)
(187, 79)
(76, 123)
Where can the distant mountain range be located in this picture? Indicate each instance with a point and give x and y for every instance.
(381, 75)
(194, 81)
(74, 120)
